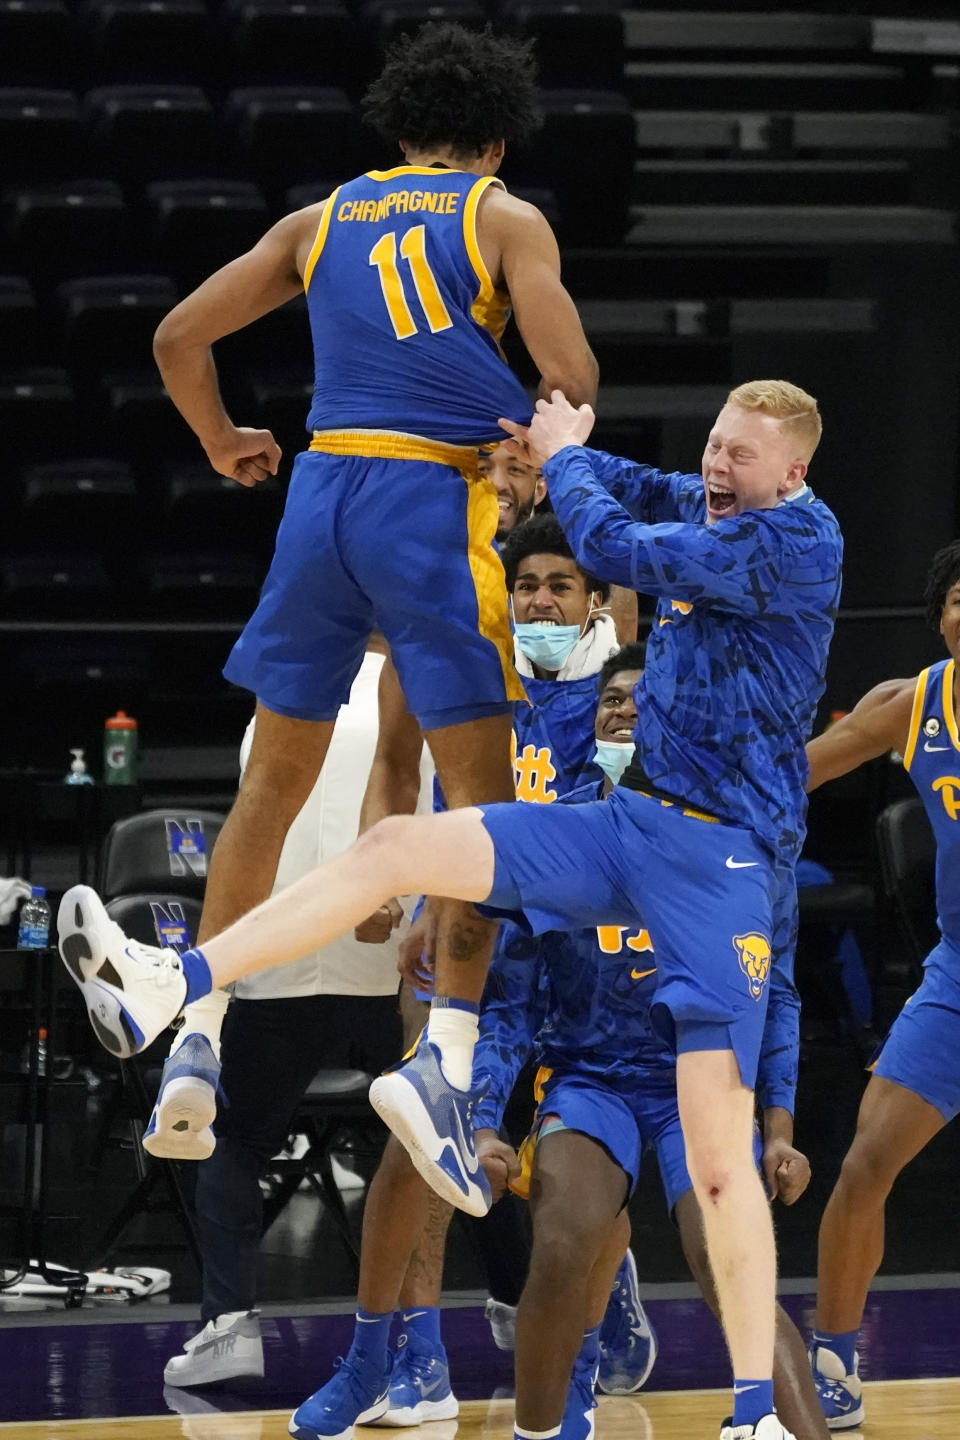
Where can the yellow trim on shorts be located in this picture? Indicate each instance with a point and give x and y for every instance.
(916, 715)
(320, 238)
(395, 445)
(489, 579)
(491, 306)
(521, 1186)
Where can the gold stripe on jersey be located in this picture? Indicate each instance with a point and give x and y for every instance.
(320, 239)
(398, 170)
(394, 445)
(491, 306)
(916, 715)
(489, 579)
(949, 714)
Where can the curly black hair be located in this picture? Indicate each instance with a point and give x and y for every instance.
(628, 657)
(543, 535)
(448, 86)
(943, 575)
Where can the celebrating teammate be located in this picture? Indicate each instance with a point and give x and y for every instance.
(700, 837)
(914, 1089)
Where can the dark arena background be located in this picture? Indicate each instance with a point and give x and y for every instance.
(738, 191)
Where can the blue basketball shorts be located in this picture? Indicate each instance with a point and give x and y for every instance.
(922, 1050)
(626, 1125)
(401, 544)
(706, 892)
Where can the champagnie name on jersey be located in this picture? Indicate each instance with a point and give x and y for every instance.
(440, 202)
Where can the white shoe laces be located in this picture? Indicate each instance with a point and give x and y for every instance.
(165, 962)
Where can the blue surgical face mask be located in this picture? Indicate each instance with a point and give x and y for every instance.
(613, 757)
(547, 645)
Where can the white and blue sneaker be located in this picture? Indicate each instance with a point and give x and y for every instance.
(419, 1386)
(131, 991)
(502, 1320)
(434, 1123)
(357, 1394)
(628, 1342)
(769, 1428)
(186, 1105)
(578, 1421)
(841, 1395)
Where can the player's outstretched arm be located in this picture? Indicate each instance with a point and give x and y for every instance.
(877, 723)
(545, 314)
(250, 286)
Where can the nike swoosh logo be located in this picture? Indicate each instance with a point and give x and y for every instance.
(413, 1315)
(426, 1390)
(931, 748)
(732, 864)
(742, 1389)
(642, 974)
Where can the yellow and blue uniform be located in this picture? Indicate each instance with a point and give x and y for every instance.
(735, 663)
(922, 1050)
(387, 521)
(554, 736)
(582, 1002)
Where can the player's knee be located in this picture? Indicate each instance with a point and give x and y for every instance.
(868, 1167)
(566, 1240)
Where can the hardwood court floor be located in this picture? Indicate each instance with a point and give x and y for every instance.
(896, 1410)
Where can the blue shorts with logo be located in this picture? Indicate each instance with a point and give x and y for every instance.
(626, 1125)
(403, 545)
(922, 1050)
(708, 893)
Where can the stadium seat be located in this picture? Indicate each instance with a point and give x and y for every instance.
(201, 507)
(283, 335)
(143, 131)
(38, 418)
(43, 585)
(288, 135)
(578, 42)
(585, 155)
(141, 424)
(110, 320)
(389, 19)
(195, 226)
(147, 40)
(205, 585)
(19, 322)
(298, 197)
(59, 231)
(34, 42)
(78, 503)
(159, 851)
(41, 135)
(281, 403)
(284, 42)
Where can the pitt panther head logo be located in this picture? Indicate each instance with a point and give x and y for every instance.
(754, 953)
(683, 606)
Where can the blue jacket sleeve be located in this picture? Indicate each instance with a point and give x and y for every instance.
(645, 493)
(780, 1047)
(734, 564)
(511, 1014)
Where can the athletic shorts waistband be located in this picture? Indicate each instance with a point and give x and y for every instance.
(394, 445)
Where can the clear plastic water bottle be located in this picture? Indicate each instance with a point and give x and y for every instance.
(34, 932)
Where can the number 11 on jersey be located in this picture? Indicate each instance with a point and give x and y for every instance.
(413, 248)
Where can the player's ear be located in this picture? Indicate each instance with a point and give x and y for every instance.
(539, 490)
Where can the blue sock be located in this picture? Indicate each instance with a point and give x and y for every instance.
(371, 1334)
(196, 972)
(449, 1002)
(589, 1352)
(752, 1399)
(424, 1322)
(843, 1345)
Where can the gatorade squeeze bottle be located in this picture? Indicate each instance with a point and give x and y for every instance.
(120, 750)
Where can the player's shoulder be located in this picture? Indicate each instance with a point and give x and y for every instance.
(502, 213)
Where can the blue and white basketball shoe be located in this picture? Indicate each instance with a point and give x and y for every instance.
(420, 1385)
(186, 1105)
(131, 991)
(841, 1395)
(434, 1123)
(628, 1342)
(357, 1394)
(578, 1421)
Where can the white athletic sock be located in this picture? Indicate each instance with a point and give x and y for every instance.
(454, 1032)
(203, 1017)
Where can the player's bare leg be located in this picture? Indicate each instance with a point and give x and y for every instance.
(793, 1387)
(716, 1111)
(576, 1195)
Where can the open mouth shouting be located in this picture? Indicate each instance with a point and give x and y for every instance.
(720, 502)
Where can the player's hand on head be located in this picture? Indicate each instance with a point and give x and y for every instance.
(786, 1170)
(499, 1160)
(378, 927)
(247, 455)
(557, 424)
